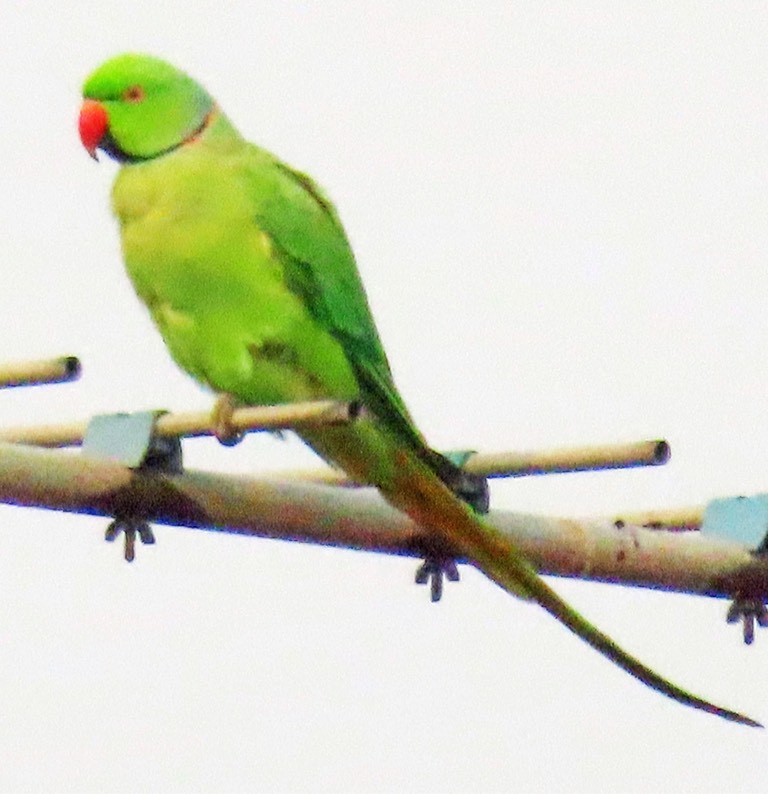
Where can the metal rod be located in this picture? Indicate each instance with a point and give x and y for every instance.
(198, 423)
(673, 518)
(590, 549)
(606, 456)
(519, 464)
(280, 417)
(35, 373)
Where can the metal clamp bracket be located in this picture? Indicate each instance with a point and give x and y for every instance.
(739, 519)
(742, 520)
(131, 439)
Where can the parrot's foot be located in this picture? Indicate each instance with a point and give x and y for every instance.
(748, 610)
(129, 527)
(432, 570)
(221, 421)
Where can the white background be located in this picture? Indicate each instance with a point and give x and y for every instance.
(559, 213)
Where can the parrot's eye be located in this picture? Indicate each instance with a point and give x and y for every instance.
(133, 94)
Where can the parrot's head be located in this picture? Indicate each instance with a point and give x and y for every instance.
(136, 107)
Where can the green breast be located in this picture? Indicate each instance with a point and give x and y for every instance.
(214, 283)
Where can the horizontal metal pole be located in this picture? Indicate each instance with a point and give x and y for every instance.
(359, 519)
(35, 373)
(519, 464)
(287, 416)
(606, 456)
(672, 518)
(196, 423)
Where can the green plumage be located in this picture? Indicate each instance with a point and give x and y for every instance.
(249, 276)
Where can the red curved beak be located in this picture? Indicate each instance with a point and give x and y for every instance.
(93, 125)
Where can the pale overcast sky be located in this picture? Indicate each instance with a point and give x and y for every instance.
(559, 211)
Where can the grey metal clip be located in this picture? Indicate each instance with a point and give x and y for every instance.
(738, 519)
(130, 439)
(742, 520)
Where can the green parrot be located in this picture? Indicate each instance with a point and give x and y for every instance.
(246, 270)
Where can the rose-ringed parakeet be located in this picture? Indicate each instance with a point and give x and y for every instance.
(246, 270)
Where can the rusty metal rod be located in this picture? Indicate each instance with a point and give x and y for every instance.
(359, 519)
(35, 373)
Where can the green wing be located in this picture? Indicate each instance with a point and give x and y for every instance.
(320, 267)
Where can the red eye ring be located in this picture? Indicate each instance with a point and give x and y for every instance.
(133, 94)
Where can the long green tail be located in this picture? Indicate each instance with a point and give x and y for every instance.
(369, 452)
